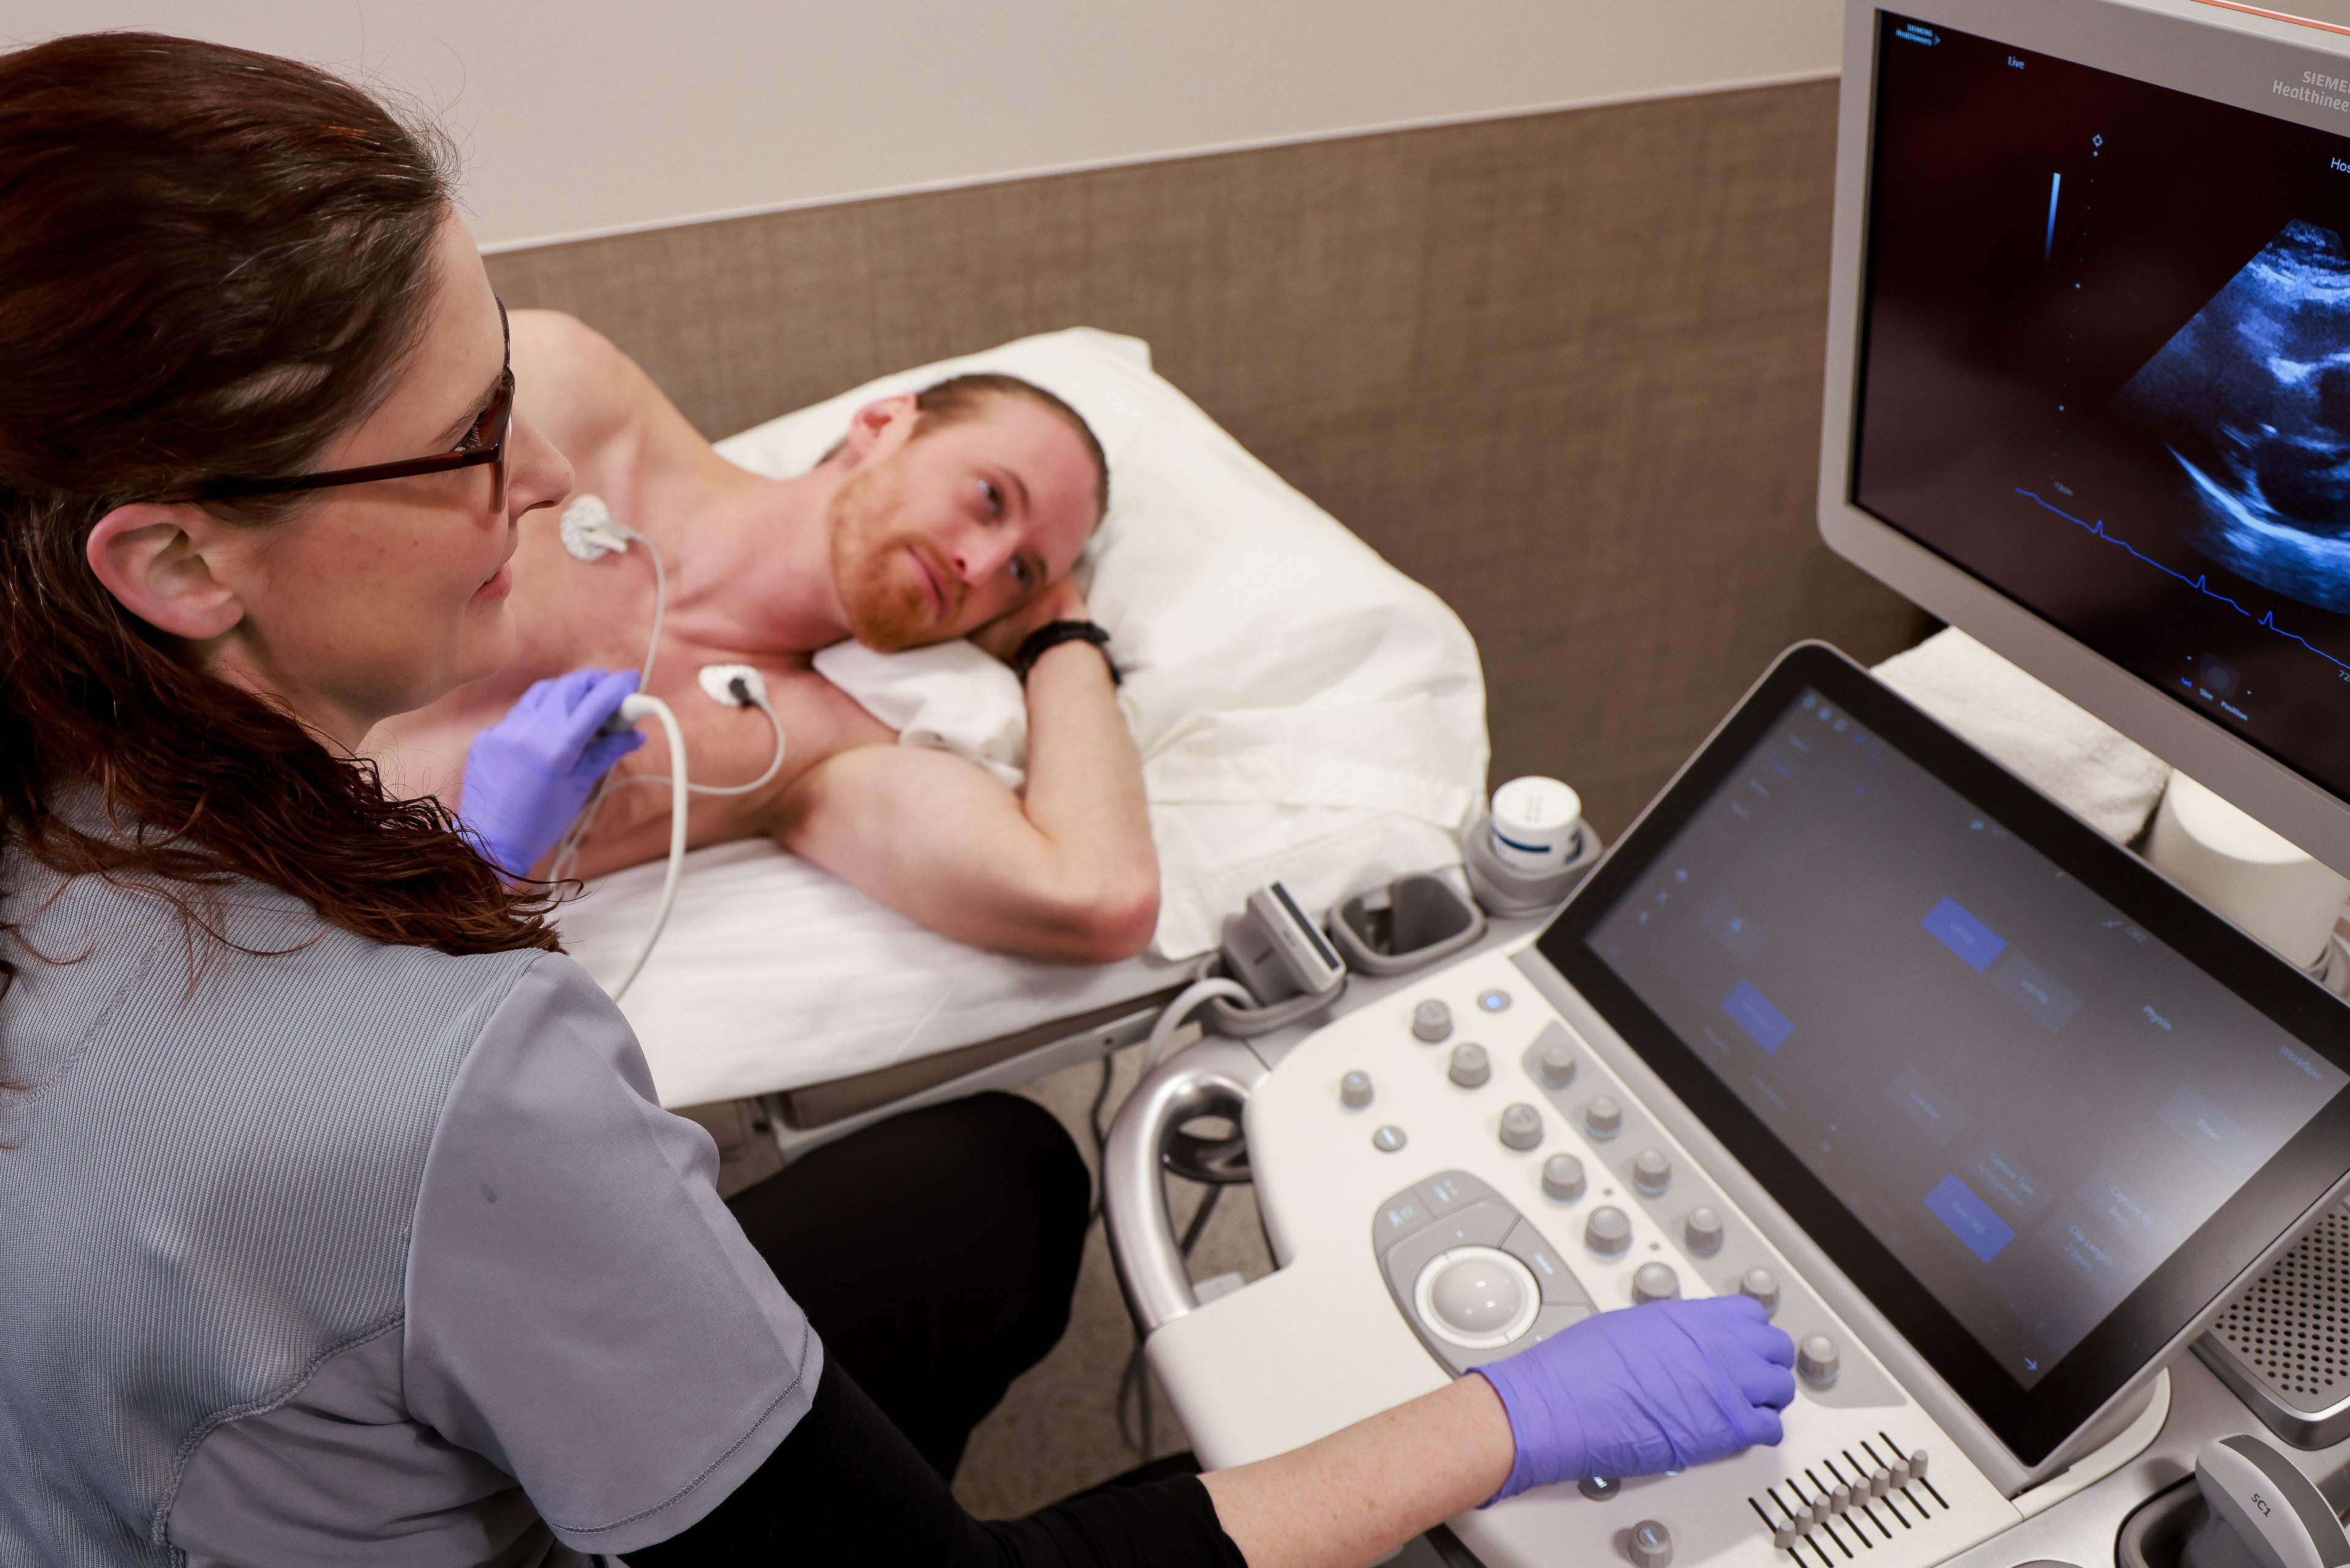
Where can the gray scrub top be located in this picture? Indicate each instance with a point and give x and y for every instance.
(342, 1253)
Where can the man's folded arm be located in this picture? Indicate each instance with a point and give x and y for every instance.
(1065, 872)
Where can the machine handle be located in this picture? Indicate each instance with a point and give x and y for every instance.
(1211, 1078)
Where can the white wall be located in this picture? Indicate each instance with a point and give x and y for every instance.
(590, 116)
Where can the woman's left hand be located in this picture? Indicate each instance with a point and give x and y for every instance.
(528, 774)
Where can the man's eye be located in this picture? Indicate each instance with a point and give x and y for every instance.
(991, 496)
(1023, 573)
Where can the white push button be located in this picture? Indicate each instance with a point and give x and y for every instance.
(1651, 1172)
(1521, 1127)
(1702, 1230)
(1816, 1361)
(1431, 1021)
(1355, 1091)
(1761, 1285)
(1470, 1067)
(1387, 1139)
(1556, 1065)
(1655, 1283)
(1603, 1116)
(1563, 1178)
(1609, 1232)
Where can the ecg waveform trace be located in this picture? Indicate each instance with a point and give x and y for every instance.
(2266, 619)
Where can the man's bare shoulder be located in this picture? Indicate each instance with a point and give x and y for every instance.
(587, 397)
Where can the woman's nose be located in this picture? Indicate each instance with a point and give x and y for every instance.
(536, 475)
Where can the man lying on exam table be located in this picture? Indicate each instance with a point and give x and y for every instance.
(959, 511)
(338, 1216)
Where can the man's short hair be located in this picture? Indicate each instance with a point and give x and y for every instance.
(959, 399)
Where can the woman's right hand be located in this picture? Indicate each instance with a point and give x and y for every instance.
(1643, 1390)
(528, 775)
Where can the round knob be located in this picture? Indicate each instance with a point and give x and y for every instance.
(1651, 1545)
(1604, 1116)
(1702, 1230)
(1761, 1285)
(1651, 1172)
(1355, 1091)
(1816, 1360)
(1609, 1232)
(1431, 1021)
(1478, 1296)
(1556, 1065)
(1600, 1489)
(1469, 1066)
(1521, 1127)
(1387, 1139)
(1563, 1178)
(1655, 1283)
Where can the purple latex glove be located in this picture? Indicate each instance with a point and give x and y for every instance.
(1643, 1390)
(528, 774)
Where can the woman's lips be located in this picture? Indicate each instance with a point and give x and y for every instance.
(499, 584)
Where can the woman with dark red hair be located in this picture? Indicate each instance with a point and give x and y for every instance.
(338, 1219)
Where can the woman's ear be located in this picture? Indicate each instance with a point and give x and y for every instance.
(151, 557)
(884, 422)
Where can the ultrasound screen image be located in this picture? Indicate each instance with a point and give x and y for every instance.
(2253, 399)
(2105, 369)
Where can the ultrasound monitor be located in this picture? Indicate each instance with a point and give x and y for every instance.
(2088, 391)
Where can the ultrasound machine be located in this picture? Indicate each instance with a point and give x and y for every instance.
(1996, 1121)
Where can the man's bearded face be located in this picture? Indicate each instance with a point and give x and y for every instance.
(878, 561)
(960, 523)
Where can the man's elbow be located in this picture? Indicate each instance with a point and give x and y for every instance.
(1111, 920)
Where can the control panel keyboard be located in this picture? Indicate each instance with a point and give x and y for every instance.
(1511, 1185)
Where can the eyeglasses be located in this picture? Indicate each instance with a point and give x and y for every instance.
(484, 441)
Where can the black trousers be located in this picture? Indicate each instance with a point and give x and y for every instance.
(935, 1253)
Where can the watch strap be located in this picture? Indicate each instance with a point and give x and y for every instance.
(1054, 633)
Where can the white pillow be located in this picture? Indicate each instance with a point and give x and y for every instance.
(1304, 710)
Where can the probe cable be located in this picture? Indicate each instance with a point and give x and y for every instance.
(632, 708)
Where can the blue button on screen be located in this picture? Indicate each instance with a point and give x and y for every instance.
(1752, 1011)
(1954, 1203)
(1948, 923)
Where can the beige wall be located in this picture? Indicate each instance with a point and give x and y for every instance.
(591, 116)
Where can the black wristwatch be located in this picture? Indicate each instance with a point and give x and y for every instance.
(1054, 633)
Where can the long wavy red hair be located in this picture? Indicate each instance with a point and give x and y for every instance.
(212, 262)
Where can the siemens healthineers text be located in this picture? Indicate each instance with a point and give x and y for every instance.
(1993, 1119)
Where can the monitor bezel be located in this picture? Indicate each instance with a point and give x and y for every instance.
(2190, 1287)
(2229, 56)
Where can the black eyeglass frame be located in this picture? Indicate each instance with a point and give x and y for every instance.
(498, 415)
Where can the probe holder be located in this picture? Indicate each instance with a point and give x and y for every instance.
(1509, 893)
(1411, 922)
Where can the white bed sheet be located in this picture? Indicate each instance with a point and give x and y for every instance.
(774, 974)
